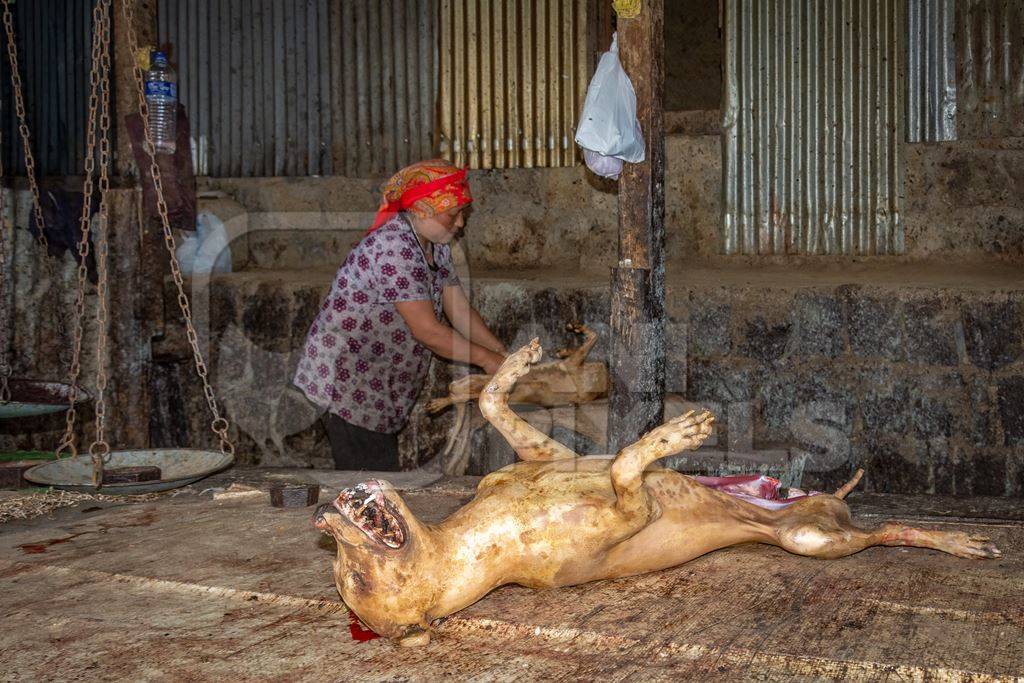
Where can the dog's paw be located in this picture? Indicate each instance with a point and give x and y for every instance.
(975, 547)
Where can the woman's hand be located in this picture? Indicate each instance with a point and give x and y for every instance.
(467, 321)
(493, 363)
(443, 340)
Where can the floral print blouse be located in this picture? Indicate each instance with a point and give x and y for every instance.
(361, 361)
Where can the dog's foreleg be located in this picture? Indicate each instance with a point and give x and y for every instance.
(527, 441)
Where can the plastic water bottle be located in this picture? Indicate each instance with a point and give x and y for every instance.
(162, 98)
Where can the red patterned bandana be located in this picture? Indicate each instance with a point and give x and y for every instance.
(426, 189)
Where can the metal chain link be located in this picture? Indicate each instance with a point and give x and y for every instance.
(5, 328)
(99, 12)
(5, 323)
(30, 163)
(218, 425)
(100, 449)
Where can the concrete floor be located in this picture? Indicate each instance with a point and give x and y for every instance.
(188, 588)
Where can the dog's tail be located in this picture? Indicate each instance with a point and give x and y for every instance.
(845, 489)
(456, 430)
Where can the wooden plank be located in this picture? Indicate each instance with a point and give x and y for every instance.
(637, 358)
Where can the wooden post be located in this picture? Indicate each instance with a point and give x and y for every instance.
(131, 291)
(138, 260)
(125, 94)
(637, 355)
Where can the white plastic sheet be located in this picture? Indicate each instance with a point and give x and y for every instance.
(207, 250)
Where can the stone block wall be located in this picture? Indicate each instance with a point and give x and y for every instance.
(923, 385)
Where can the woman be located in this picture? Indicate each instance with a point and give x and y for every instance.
(368, 351)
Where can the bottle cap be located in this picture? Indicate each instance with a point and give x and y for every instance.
(159, 58)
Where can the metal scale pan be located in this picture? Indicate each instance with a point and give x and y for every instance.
(31, 397)
(178, 467)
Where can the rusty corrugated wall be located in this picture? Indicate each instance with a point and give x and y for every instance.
(513, 75)
(385, 84)
(53, 39)
(255, 77)
(990, 56)
(305, 87)
(931, 71)
(812, 123)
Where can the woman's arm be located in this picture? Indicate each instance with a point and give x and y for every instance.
(443, 340)
(467, 321)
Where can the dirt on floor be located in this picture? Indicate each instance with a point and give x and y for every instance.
(198, 587)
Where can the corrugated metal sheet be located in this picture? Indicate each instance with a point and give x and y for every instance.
(990, 45)
(812, 124)
(931, 71)
(304, 87)
(385, 76)
(513, 77)
(53, 40)
(252, 74)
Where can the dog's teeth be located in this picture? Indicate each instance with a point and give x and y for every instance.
(372, 498)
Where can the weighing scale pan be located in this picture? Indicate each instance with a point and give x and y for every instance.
(31, 397)
(178, 467)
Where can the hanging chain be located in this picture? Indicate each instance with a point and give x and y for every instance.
(100, 449)
(5, 271)
(30, 163)
(26, 138)
(218, 425)
(100, 12)
(5, 323)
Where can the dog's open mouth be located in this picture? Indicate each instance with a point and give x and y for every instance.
(366, 506)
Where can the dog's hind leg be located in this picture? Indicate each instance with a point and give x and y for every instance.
(820, 526)
(578, 355)
(824, 538)
(685, 432)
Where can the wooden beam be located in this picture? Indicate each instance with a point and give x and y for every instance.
(125, 93)
(138, 258)
(637, 360)
(134, 312)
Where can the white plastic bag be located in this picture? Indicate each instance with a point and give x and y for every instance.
(606, 167)
(608, 125)
(207, 250)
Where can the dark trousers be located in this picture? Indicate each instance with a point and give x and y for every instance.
(356, 448)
